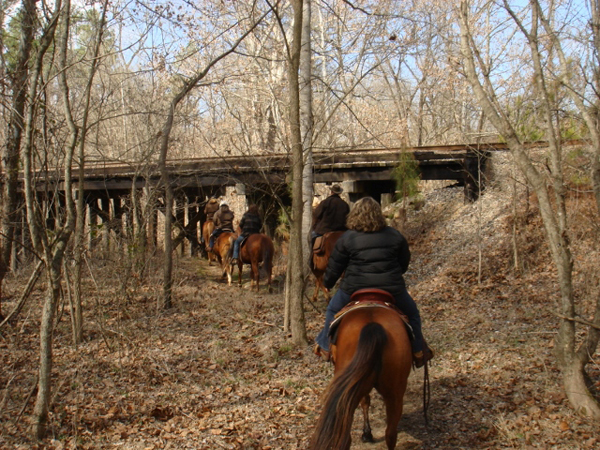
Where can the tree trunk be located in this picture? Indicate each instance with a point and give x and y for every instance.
(10, 153)
(306, 125)
(79, 245)
(295, 261)
(40, 412)
(51, 248)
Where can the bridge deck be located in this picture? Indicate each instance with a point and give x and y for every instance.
(436, 162)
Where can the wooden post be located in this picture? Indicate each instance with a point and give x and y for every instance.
(105, 216)
(92, 221)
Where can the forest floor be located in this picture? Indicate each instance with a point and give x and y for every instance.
(218, 371)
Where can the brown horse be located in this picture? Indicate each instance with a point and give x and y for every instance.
(223, 250)
(372, 350)
(320, 260)
(207, 229)
(258, 248)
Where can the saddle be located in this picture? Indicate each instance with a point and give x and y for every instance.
(246, 238)
(219, 231)
(319, 245)
(368, 298)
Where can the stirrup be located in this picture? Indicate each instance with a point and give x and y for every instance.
(420, 358)
(324, 354)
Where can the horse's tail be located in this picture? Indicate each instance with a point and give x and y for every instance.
(268, 256)
(231, 240)
(347, 389)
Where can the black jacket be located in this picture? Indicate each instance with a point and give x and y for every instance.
(250, 223)
(370, 260)
(330, 215)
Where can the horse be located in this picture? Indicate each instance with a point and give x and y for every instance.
(207, 229)
(223, 250)
(257, 248)
(372, 350)
(319, 262)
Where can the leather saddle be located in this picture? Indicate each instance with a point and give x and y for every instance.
(368, 298)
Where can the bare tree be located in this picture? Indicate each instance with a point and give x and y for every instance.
(50, 247)
(547, 182)
(295, 262)
(307, 129)
(82, 132)
(180, 94)
(14, 135)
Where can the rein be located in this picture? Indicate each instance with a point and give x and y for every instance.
(426, 391)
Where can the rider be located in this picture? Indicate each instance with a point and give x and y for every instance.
(223, 220)
(250, 223)
(330, 215)
(211, 207)
(371, 255)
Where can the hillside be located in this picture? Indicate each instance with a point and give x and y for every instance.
(217, 371)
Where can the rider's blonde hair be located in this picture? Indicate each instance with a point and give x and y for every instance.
(366, 216)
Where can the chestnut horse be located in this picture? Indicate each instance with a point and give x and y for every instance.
(257, 248)
(223, 250)
(320, 260)
(207, 229)
(372, 350)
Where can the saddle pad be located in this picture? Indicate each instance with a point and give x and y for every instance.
(366, 304)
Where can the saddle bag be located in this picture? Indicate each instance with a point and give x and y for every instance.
(318, 246)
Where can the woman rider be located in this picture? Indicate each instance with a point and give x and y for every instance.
(371, 255)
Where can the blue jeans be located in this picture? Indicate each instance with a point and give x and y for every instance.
(403, 301)
(236, 246)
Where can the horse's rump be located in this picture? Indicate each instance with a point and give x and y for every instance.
(257, 249)
(223, 249)
(320, 259)
(368, 298)
(207, 229)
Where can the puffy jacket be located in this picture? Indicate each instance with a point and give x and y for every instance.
(330, 215)
(250, 223)
(223, 219)
(369, 260)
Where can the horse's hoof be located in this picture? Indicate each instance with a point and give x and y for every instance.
(368, 437)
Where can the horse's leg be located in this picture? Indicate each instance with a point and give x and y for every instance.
(229, 270)
(318, 287)
(393, 408)
(365, 403)
(240, 265)
(255, 273)
(211, 255)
